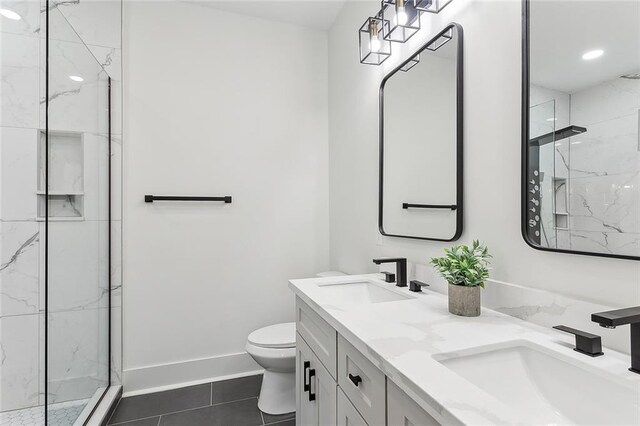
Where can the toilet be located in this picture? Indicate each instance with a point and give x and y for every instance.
(274, 349)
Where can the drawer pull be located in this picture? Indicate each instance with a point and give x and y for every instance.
(312, 395)
(306, 386)
(356, 380)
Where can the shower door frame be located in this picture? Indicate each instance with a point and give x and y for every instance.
(46, 233)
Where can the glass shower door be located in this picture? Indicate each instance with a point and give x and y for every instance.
(74, 198)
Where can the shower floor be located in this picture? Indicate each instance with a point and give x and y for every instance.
(62, 414)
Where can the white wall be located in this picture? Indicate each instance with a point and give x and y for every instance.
(492, 43)
(217, 104)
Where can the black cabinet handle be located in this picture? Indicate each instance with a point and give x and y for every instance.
(356, 380)
(312, 395)
(305, 384)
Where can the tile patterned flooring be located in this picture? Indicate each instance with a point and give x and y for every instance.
(227, 403)
(61, 414)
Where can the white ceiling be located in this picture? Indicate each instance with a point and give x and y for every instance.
(562, 31)
(317, 14)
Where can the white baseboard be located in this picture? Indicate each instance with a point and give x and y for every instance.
(156, 378)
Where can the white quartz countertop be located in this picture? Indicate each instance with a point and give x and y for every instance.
(402, 337)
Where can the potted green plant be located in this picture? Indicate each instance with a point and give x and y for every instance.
(466, 269)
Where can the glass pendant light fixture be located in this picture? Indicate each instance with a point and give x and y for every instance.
(431, 6)
(374, 49)
(402, 20)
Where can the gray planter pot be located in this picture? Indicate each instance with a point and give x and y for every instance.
(464, 301)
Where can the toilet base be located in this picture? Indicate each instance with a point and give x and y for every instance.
(278, 393)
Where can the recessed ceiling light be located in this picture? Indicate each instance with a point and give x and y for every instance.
(551, 119)
(10, 14)
(592, 54)
(76, 78)
(576, 142)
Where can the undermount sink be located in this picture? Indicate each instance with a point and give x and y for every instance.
(361, 292)
(547, 388)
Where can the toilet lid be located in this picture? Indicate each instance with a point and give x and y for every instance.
(275, 336)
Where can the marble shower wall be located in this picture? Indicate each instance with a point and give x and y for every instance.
(21, 304)
(601, 166)
(84, 31)
(605, 168)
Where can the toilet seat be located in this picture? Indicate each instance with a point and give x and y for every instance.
(278, 336)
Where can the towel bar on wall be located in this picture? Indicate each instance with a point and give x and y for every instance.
(428, 206)
(151, 198)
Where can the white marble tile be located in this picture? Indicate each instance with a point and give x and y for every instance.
(606, 203)
(607, 148)
(76, 105)
(116, 263)
(110, 58)
(19, 377)
(77, 363)
(97, 22)
(627, 244)
(29, 22)
(611, 99)
(96, 176)
(18, 173)
(19, 268)
(116, 177)
(19, 82)
(78, 277)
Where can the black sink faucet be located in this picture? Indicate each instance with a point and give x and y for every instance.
(401, 269)
(631, 316)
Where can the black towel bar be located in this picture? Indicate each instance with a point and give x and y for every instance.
(151, 198)
(428, 206)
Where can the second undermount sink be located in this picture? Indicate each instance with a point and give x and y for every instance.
(547, 388)
(361, 292)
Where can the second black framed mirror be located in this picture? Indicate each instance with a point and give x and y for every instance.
(580, 127)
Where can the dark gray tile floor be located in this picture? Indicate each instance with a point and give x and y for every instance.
(227, 403)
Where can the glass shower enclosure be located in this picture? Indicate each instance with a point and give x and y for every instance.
(55, 219)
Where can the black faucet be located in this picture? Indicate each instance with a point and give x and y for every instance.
(631, 316)
(586, 343)
(401, 269)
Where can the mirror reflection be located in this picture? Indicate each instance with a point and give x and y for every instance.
(421, 143)
(583, 177)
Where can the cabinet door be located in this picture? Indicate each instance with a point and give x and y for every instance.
(403, 411)
(316, 402)
(347, 413)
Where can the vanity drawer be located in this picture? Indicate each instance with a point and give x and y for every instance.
(347, 413)
(362, 382)
(403, 410)
(318, 334)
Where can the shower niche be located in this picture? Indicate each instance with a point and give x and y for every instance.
(66, 176)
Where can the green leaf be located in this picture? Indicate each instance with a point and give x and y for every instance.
(464, 265)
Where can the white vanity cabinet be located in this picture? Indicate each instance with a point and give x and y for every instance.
(338, 385)
(315, 389)
(403, 411)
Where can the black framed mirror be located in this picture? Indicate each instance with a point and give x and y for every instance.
(421, 142)
(580, 127)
